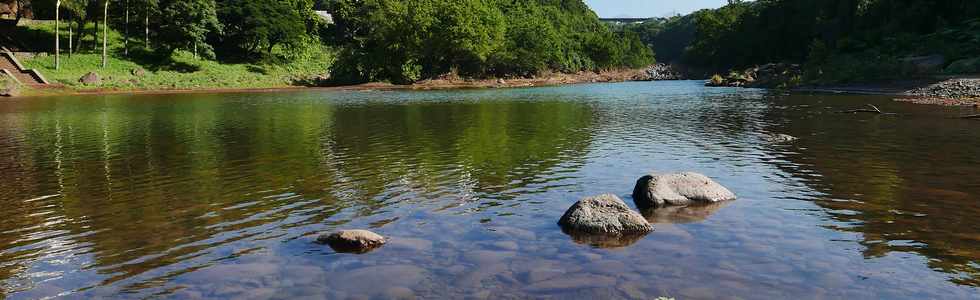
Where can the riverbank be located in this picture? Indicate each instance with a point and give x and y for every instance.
(945, 90)
(443, 83)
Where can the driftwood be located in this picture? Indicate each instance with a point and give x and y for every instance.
(873, 109)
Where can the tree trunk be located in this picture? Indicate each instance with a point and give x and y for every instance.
(79, 39)
(146, 27)
(57, 35)
(70, 48)
(105, 33)
(126, 38)
(95, 34)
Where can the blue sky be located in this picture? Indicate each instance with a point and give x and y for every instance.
(649, 8)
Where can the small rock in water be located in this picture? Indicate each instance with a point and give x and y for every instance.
(780, 138)
(604, 221)
(399, 293)
(654, 191)
(352, 241)
(507, 245)
(604, 214)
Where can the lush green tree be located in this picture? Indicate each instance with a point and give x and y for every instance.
(404, 41)
(668, 37)
(254, 25)
(852, 32)
(185, 24)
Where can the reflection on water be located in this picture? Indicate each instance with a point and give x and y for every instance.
(683, 214)
(221, 196)
(906, 183)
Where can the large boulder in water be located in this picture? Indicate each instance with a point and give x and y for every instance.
(603, 215)
(352, 241)
(654, 191)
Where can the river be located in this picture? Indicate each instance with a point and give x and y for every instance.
(221, 195)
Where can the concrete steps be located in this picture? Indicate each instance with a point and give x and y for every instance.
(11, 67)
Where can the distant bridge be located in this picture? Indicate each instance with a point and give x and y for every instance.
(624, 20)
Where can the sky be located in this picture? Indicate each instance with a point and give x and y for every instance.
(649, 8)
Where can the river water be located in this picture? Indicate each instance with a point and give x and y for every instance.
(221, 196)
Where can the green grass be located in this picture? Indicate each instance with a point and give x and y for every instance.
(181, 71)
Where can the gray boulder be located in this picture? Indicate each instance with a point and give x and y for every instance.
(352, 241)
(655, 191)
(90, 78)
(603, 215)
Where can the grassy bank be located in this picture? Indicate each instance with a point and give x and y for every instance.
(182, 70)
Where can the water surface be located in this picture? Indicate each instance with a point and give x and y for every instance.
(221, 196)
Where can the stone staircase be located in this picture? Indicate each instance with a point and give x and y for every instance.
(10, 67)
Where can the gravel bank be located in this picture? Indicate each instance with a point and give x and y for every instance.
(961, 91)
(953, 88)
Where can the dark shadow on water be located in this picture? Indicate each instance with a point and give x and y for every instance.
(683, 214)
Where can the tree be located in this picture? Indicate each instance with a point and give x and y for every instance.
(105, 34)
(149, 6)
(404, 41)
(57, 35)
(186, 23)
(254, 25)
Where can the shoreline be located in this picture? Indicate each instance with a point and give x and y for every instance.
(941, 90)
(901, 89)
(448, 83)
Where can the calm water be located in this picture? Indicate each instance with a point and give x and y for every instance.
(221, 196)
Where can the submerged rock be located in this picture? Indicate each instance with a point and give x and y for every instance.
(352, 241)
(655, 191)
(604, 221)
(780, 138)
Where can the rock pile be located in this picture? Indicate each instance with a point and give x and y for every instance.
(953, 88)
(765, 76)
(663, 72)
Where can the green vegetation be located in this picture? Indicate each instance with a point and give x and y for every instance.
(836, 40)
(181, 69)
(669, 37)
(266, 43)
(405, 41)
